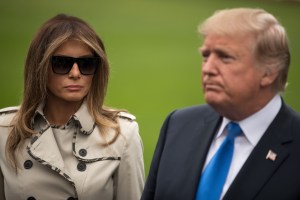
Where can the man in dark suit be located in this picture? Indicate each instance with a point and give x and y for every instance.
(245, 65)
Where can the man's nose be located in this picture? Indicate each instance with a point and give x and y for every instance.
(209, 65)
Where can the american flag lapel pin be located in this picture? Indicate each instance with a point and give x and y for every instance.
(271, 155)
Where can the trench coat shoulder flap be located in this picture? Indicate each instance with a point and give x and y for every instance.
(7, 114)
(126, 115)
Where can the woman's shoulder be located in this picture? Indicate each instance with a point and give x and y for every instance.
(7, 114)
(127, 116)
(128, 124)
(129, 132)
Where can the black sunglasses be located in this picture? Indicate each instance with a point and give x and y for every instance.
(64, 64)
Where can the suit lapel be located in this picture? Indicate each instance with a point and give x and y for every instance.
(207, 130)
(180, 164)
(199, 138)
(258, 169)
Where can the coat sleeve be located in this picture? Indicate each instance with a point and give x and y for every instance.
(130, 177)
(150, 187)
(6, 116)
(2, 196)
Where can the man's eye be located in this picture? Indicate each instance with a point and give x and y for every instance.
(205, 56)
(225, 57)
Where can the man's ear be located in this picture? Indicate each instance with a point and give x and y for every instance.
(268, 77)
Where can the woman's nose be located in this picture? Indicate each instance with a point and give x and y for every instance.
(75, 72)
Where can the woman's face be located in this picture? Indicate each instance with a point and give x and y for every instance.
(71, 87)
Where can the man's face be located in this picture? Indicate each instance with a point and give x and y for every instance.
(230, 77)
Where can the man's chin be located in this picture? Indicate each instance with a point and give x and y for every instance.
(212, 98)
(214, 101)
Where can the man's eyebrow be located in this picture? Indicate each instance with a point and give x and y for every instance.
(203, 49)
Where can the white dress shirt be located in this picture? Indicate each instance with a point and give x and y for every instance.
(253, 128)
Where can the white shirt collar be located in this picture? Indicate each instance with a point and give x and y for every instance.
(255, 125)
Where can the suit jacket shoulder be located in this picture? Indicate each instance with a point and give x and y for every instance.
(194, 113)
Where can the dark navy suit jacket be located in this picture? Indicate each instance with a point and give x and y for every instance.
(184, 142)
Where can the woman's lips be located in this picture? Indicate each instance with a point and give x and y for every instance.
(73, 87)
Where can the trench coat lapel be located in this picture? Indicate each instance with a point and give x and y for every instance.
(44, 149)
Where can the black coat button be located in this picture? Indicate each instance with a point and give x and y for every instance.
(81, 166)
(30, 198)
(82, 152)
(28, 164)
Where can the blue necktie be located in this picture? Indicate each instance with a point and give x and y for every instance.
(215, 173)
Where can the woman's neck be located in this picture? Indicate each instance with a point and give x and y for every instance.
(59, 113)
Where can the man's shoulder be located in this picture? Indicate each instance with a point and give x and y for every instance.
(204, 109)
(195, 112)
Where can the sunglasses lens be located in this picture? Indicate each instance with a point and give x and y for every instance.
(61, 64)
(89, 65)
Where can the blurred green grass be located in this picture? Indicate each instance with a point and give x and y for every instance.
(152, 47)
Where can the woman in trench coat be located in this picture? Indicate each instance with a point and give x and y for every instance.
(62, 142)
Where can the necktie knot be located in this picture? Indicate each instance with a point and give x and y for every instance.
(233, 130)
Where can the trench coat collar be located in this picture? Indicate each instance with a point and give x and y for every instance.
(50, 155)
(82, 118)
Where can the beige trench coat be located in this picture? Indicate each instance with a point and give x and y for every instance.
(69, 162)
